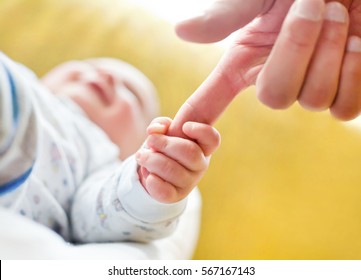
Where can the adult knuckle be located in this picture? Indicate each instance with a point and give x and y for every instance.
(334, 37)
(298, 39)
(275, 100)
(321, 100)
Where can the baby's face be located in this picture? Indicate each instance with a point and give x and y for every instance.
(113, 94)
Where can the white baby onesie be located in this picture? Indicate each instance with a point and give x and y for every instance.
(61, 170)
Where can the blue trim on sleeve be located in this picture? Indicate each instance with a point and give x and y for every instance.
(14, 184)
(13, 95)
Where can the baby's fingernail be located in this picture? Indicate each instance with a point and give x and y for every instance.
(156, 128)
(354, 44)
(336, 12)
(308, 9)
(138, 156)
(141, 156)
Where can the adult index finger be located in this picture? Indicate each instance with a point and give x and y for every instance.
(210, 100)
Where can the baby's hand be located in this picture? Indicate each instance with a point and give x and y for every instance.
(170, 167)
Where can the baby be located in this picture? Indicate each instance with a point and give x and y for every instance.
(71, 153)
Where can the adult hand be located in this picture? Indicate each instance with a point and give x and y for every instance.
(310, 53)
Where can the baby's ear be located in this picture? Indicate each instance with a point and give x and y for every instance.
(159, 125)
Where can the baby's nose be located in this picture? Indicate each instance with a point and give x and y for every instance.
(107, 78)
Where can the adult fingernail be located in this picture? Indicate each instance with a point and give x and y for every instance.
(308, 9)
(354, 44)
(336, 12)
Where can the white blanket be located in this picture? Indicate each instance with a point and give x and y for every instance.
(21, 238)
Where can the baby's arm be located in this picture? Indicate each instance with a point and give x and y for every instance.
(172, 166)
(115, 206)
(18, 133)
(112, 206)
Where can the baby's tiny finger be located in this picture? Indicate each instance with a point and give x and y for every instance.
(163, 191)
(206, 136)
(185, 152)
(165, 168)
(159, 125)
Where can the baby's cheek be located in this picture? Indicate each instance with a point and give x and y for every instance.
(119, 115)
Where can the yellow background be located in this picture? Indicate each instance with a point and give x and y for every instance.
(283, 185)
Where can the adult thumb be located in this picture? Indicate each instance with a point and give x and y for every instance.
(221, 19)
